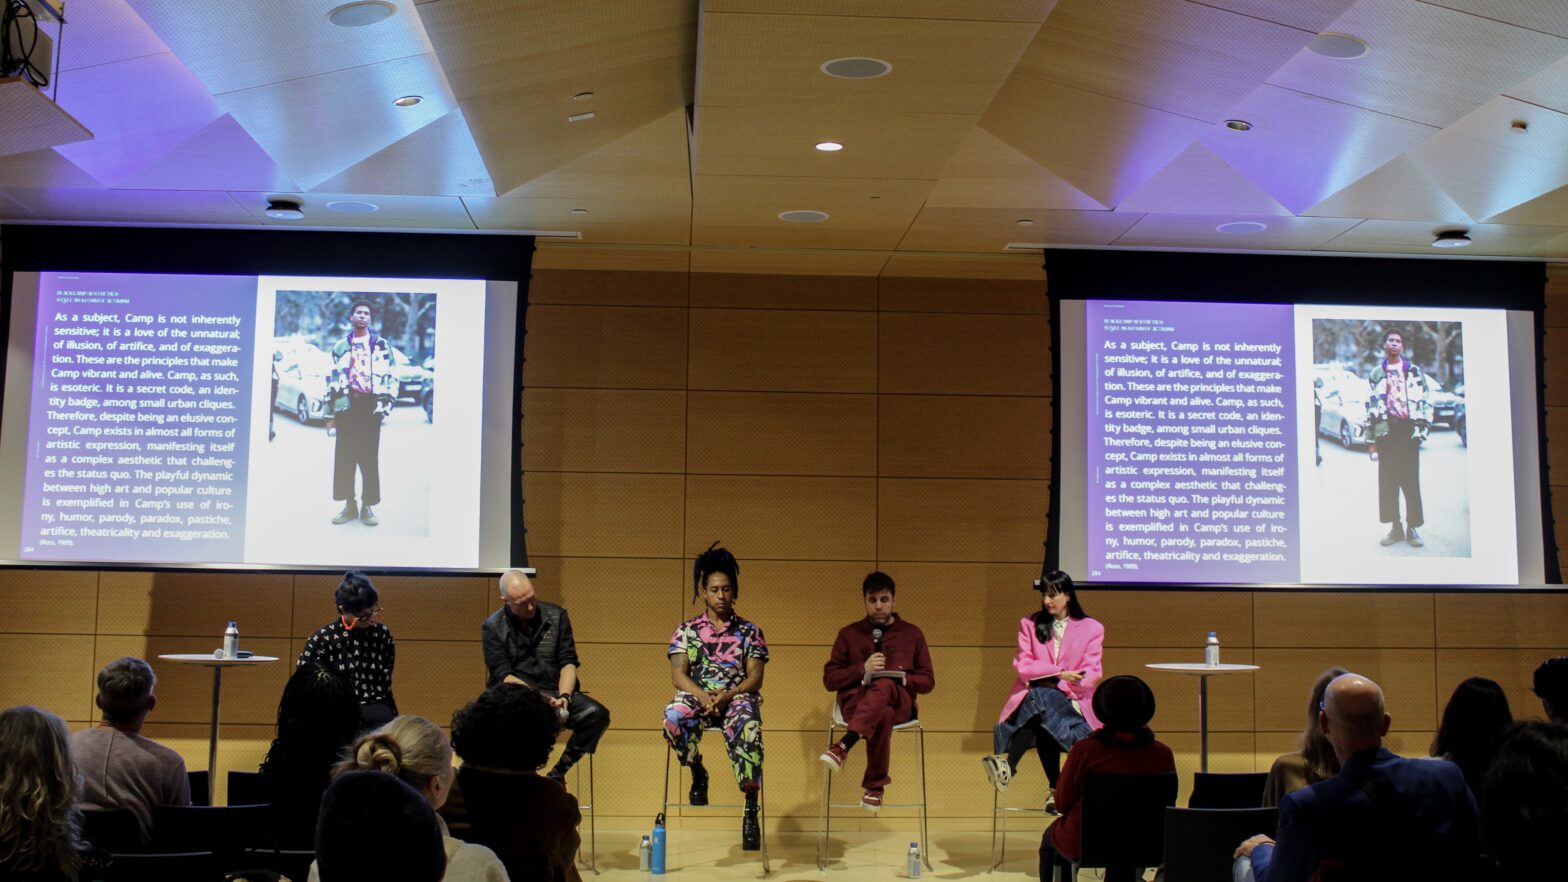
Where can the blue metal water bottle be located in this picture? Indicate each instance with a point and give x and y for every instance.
(657, 859)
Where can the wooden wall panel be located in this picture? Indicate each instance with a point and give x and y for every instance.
(933, 353)
(1514, 669)
(1170, 618)
(195, 604)
(436, 677)
(54, 672)
(1231, 696)
(604, 430)
(783, 350)
(250, 695)
(966, 604)
(970, 296)
(605, 347)
(1408, 678)
(603, 515)
(48, 601)
(949, 436)
(240, 747)
(416, 607)
(942, 520)
(1533, 620)
(782, 517)
(774, 593)
(1345, 619)
(590, 287)
(755, 291)
(597, 592)
(781, 433)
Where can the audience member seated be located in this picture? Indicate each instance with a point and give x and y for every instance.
(120, 769)
(317, 717)
(499, 800)
(1551, 686)
(417, 751)
(1473, 723)
(1524, 802)
(375, 828)
(1314, 761)
(1382, 814)
(39, 822)
(1124, 745)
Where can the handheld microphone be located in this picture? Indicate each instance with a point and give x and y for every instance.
(876, 639)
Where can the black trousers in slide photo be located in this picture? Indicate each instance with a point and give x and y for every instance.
(1399, 469)
(359, 447)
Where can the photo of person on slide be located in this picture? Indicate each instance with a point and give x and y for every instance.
(360, 393)
(1386, 388)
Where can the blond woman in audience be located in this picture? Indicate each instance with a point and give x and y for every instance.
(1314, 760)
(40, 825)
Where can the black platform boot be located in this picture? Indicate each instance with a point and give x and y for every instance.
(699, 783)
(750, 827)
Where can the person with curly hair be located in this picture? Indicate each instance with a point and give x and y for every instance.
(40, 824)
(500, 800)
(417, 751)
(317, 717)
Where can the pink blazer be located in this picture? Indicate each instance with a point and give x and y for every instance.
(1081, 650)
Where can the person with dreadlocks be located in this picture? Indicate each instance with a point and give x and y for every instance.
(716, 662)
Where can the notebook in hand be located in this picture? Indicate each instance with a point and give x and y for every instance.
(878, 675)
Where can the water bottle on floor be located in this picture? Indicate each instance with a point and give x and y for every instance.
(1211, 651)
(914, 860)
(656, 847)
(645, 855)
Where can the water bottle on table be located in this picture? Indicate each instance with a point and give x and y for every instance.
(1211, 651)
(231, 641)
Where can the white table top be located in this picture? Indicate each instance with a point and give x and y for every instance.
(1200, 668)
(207, 660)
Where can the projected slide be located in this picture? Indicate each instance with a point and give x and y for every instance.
(1257, 444)
(254, 420)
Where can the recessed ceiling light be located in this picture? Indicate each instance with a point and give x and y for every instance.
(284, 209)
(1519, 126)
(361, 13)
(353, 206)
(803, 216)
(1238, 125)
(1334, 45)
(829, 146)
(408, 100)
(582, 96)
(1451, 239)
(580, 117)
(856, 68)
(579, 211)
(1025, 222)
(1241, 227)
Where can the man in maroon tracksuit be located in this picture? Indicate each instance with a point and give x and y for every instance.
(871, 705)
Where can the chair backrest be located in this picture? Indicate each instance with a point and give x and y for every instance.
(199, 787)
(113, 830)
(1199, 842)
(225, 830)
(1124, 818)
(1227, 790)
(197, 866)
(249, 788)
(291, 863)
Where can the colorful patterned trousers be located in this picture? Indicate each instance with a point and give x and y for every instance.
(741, 725)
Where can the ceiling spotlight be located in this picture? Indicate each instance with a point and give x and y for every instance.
(1334, 45)
(1238, 125)
(829, 146)
(579, 211)
(359, 14)
(1519, 126)
(1241, 227)
(1451, 239)
(408, 100)
(353, 206)
(803, 216)
(284, 209)
(1025, 222)
(582, 96)
(856, 68)
(580, 117)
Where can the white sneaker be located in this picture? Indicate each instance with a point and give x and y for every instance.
(997, 770)
(1050, 803)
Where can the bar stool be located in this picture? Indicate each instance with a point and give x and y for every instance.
(593, 816)
(825, 817)
(762, 810)
(1000, 809)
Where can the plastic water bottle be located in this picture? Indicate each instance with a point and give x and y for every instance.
(231, 641)
(656, 847)
(1211, 651)
(645, 855)
(914, 860)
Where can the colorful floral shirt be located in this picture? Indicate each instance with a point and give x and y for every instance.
(718, 658)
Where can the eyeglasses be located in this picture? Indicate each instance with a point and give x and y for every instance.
(368, 616)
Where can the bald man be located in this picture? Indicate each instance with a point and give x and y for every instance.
(1382, 814)
(528, 642)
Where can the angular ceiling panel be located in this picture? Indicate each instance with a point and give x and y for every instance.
(102, 32)
(1549, 88)
(220, 157)
(991, 229)
(1415, 237)
(392, 212)
(969, 10)
(1303, 149)
(1100, 145)
(611, 220)
(1399, 190)
(1308, 15)
(780, 141)
(315, 127)
(438, 160)
(1198, 182)
(730, 210)
(652, 163)
(1488, 167)
(132, 206)
(1198, 231)
(987, 173)
(1549, 209)
(1172, 55)
(1536, 15)
(42, 168)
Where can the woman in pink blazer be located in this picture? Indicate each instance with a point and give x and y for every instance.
(1050, 705)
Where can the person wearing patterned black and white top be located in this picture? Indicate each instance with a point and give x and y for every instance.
(358, 646)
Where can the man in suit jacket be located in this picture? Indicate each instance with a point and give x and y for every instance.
(528, 642)
(1412, 818)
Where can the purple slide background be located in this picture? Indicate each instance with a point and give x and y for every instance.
(123, 294)
(1186, 323)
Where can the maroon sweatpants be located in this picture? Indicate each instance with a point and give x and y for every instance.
(872, 711)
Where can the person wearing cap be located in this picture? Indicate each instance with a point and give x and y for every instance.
(404, 836)
(1051, 705)
(1124, 744)
(1551, 686)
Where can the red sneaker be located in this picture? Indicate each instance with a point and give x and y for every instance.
(871, 800)
(835, 756)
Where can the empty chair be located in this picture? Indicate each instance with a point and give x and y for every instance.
(249, 788)
(1123, 821)
(225, 830)
(198, 866)
(113, 830)
(1199, 842)
(1220, 790)
(199, 791)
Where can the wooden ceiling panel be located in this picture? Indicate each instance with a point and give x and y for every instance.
(743, 210)
(987, 173)
(131, 206)
(969, 10)
(1399, 190)
(42, 168)
(1020, 266)
(991, 229)
(652, 163)
(392, 212)
(780, 141)
(1415, 237)
(223, 156)
(1549, 208)
(1548, 17)
(102, 32)
(1301, 149)
(1308, 15)
(1548, 88)
(1172, 55)
(1487, 167)
(1427, 63)
(1102, 146)
(775, 61)
(617, 221)
(1198, 231)
(1198, 182)
(555, 254)
(788, 263)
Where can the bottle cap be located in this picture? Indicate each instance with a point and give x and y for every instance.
(914, 845)
(1213, 633)
(233, 624)
(645, 837)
